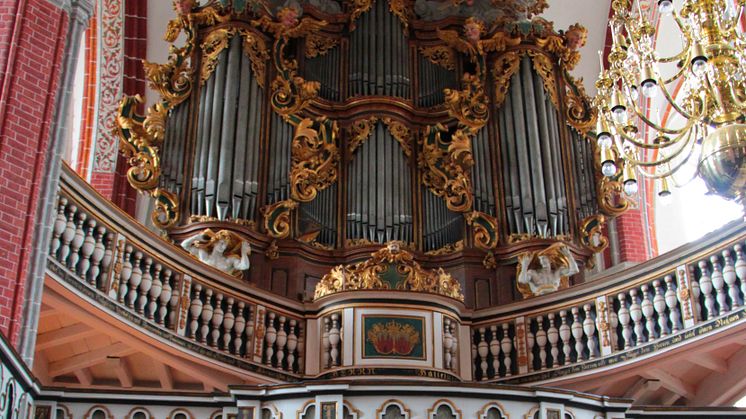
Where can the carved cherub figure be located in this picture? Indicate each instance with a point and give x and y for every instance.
(222, 250)
(543, 272)
(183, 7)
(472, 42)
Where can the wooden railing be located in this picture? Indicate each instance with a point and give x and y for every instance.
(681, 295)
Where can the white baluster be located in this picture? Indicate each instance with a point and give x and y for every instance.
(68, 234)
(205, 317)
(624, 317)
(173, 304)
(86, 250)
(145, 284)
(659, 303)
(506, 344)
(483, 349)
(674, 313)
(589, 328)
(647, 311)
(613, 325)
(291, 345)
(155, 291)
(495, 350)
(238, 328)
(740, 268)
(77, 242)
(269, 337)
(99, 251)
(454, 348)
(195, 309)
(564, 332)
(729, 276)
(553, 336)
(635, 311)
(719, 284)
(164, 298)
(135, 280)
(58, 227)
(217, 320)
(326, 359)
(530, 343)
(334, 339)
(577, 333)
(125, 274)
(696, 292)
(447, 342)
(282, 340)
(109, 245)
(229, 319)
(301, 350)
(541, 340)
(250, 325)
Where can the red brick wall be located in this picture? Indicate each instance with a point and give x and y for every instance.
(32, 41)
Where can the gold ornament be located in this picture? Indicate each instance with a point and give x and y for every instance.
(503, 69)
(314, 158)
(448, 249)
(277, 218)
(440, 55)
(484, 227)
(318, 45)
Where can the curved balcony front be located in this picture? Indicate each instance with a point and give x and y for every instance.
(619, 328)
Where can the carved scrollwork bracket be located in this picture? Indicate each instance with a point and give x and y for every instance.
(591, 235)
(314, 158)
(277, 220)
(445, 161)
(484, 228)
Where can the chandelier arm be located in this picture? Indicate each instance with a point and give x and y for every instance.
(652, 124)
(647, 146)
(672, 102)
(630, 158)
(676, 76)
(671, 170)
(685, 50)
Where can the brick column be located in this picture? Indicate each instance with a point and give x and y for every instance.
(635, 229)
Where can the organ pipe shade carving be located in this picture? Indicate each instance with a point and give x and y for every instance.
(455, 136)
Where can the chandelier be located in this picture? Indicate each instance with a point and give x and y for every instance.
(704, 95)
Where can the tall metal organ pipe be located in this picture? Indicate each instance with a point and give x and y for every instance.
(226, 166)
(533, 174)
(379, 55)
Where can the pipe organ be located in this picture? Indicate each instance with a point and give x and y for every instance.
(332, 126)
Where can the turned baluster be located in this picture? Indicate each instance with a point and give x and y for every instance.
(282, 340)
(454, 348)
(696, 291)
(507, 347)
(577, 333)
(291, 345)
(145, 284)
(270, 337)
(483, 349)
(530, 342)
(334, 339)
(326, 359)
(126, 274)
(495, 350)
(474, 360)
(301, 349)
(719, 284)
(740, 268)
(217, 320)
(674, 314)
(68, 234)
(249, 333)
(60, 220)
(541, 340)
(76, 243)
(624, 317)
(659, 303)
(195, 310)
(109, 244)
(99, 251)
(86, 250)
(635, 311)
(135, 280)
(155, 291)
(553, 336)
(647, 310)
(173, 304)
(447, 342)
(589, 328)
(613, 325)
(229, 319)
(564, 332)
(238, 329)
(164, 297)
(207, 310)
(729, 276)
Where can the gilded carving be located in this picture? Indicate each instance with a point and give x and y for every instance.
(277, 218)
(503, 69)
(357, 8)
(402, 11)
(172, 80)
(611, 200)
(484, 228)
(448, 249)
(489, 261)
(272, 252)
(314, 158)
(590, 233)
(445, 161)
(579, 114)
(368, 275)
(317, 45)
(401, 133)
(468, 106)
(255, 47)
(213, 44)
(440, 55)
(544, 67)
(360, 131)
(473, 45)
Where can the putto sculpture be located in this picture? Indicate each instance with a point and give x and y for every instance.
(545, 271)
(223, 250)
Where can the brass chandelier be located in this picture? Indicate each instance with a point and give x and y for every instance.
(706, 95)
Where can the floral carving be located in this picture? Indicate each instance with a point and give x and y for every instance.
(314, 158)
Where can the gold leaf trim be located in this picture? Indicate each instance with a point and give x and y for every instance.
(503, 69)
(314, 158)
(448, 249)
(277, 218)
(360, 131)
(484, 228)
(440, 55)
(213, 44)
(318, 45)
(256, 49)
(401, 133)
(358, 8)
(545, 69)
(446, 167)
(591, 230)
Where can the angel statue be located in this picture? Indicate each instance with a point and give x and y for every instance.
(545, 271)
(222, 250)
(474, 45)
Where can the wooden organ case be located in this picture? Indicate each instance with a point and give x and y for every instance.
(320, 131)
